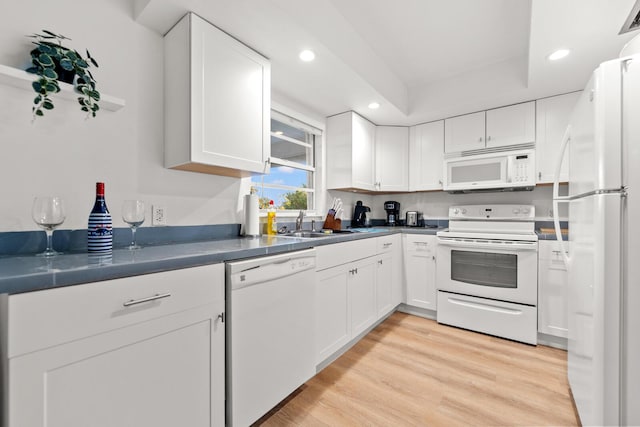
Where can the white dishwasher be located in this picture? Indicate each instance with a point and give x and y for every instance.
(270, 332)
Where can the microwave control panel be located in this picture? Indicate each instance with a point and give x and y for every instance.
(522, 169)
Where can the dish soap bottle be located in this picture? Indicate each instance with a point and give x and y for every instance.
(272, 225)
(100, 229)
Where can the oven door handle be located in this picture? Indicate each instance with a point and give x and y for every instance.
(488, 244)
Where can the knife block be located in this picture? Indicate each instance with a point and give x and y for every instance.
(331, 223)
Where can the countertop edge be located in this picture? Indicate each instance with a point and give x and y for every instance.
(83, 268)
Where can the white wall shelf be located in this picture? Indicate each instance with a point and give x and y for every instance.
(21, 79)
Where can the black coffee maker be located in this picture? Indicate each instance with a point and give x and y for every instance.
(393, 212)
(360, 215)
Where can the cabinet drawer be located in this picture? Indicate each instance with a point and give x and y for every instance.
(42, 319)
(420, 243)
(388, 243)
(328, 256)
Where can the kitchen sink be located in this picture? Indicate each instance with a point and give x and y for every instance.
(305, 234)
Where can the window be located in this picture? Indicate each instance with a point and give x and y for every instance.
(291, 181)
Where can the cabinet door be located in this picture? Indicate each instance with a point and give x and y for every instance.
(392, 158)
(552, 290)
(552, 119)
(384, 284)
(363, 152)
(420, 271)
(426, 155)
(515, 124)
(464, 133)
(333, 315)
(228, 96)
(165, 372)
(218, 101)
(362, 295)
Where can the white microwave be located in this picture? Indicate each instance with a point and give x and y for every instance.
(502, 171)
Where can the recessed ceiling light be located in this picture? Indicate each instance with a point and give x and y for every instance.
(307, 55)
(279, 132)
(374, 105)
(558, 54)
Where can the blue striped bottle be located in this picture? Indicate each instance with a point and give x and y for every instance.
(100, 229)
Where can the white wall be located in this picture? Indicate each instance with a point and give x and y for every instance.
(64, 154)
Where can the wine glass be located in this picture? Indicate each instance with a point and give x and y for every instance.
(48, 213)
(133, 214)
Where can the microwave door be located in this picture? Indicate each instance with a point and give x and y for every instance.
(478, 173)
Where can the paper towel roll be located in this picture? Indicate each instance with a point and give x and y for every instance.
(251, 215)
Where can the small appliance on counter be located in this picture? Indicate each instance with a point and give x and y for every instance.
(414, 219)
(393, 213)
(361, 215)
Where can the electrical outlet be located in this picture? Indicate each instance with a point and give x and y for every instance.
(158, 215)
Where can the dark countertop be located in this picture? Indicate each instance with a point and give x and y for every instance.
(26, 273)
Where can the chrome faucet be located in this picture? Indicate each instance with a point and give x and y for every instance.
(299, 221)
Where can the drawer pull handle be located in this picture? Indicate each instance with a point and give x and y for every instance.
(147, 299)
(386, 245)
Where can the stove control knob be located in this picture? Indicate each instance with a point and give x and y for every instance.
(525, 211)
(464, 211)
(456, 211)
(516, 211)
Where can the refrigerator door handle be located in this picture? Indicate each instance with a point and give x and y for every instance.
(557, 199)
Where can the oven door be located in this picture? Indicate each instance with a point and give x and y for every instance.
(498, 269)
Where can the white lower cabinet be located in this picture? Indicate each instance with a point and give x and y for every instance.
(420, 270)
(333, 314)
(384, 284)
(97, 355)
(552, 290)
(357, 284)
(362, 295)
(389, 279)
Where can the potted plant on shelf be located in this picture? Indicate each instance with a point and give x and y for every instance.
(53, 62)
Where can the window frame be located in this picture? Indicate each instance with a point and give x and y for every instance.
(291, 117)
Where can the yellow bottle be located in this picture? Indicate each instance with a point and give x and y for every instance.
(272, 225)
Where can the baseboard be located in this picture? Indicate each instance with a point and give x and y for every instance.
(552, 341)
(417, 311)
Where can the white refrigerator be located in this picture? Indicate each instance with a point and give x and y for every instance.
(602, 145)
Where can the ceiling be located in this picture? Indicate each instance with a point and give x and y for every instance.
(421, 60)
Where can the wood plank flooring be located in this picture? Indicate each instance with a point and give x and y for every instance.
(411, 371)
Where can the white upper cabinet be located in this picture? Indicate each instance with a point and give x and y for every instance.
(426, 155)
(515, 124)
(350, 152)
(217, 102)
(464, 133)
(500, 127)
(552, 120)
(392, 157)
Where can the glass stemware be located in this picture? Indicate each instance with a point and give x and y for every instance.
(48, 213)
(133, 214)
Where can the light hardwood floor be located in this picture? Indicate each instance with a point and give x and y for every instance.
(411, 371)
